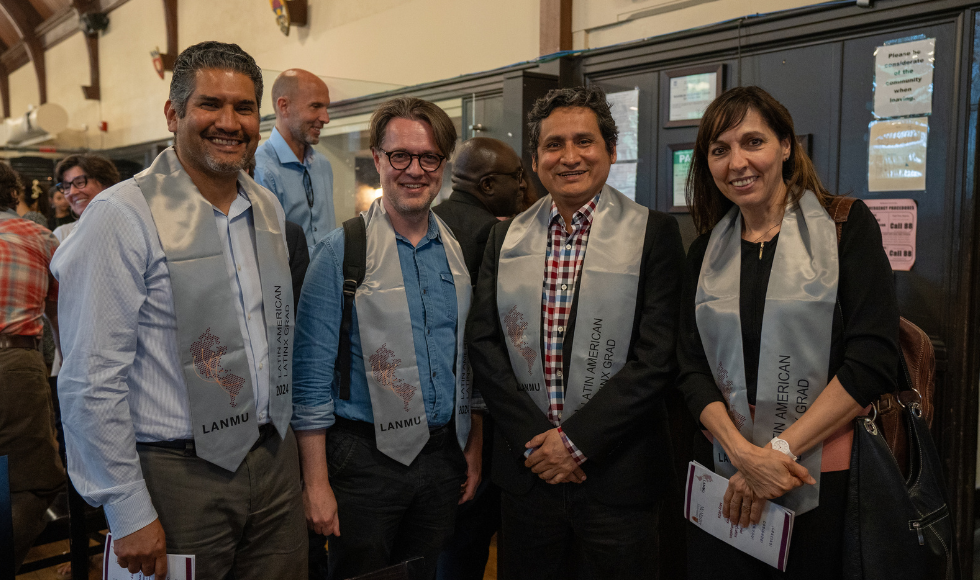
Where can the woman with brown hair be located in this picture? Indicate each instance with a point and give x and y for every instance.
(786, 335)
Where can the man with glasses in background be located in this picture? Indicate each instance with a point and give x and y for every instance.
(384, 445)
(288, 165)
(488, 185)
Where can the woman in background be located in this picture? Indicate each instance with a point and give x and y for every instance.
(80, 178)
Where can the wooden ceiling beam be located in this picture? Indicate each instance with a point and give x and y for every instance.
(25, 20)
(92, 91)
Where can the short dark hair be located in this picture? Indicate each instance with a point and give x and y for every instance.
(210, 55)
(417, 110)
(706, 201)
(10, 186)
(590, 97)
(95, 167)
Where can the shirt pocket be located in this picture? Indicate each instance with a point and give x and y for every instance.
(448, 288)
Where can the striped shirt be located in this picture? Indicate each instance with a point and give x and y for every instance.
(563, 263)
(122, 381)
(25, 282)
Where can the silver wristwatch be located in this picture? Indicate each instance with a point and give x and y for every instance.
(782, 446)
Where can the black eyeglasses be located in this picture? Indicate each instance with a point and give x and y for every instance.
(402, 159)
(517, 175)
(79, 182)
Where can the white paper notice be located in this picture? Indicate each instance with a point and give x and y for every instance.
(691, 95)
(903, 78)
(768, 540)
(897, 154)
(625, 109)
(897, 219)
(622, 177)
(178, 567)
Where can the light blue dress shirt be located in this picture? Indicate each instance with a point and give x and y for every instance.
(278, 169)
(431, 295)
(121, 381)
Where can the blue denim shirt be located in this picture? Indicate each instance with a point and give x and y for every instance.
(431, 297)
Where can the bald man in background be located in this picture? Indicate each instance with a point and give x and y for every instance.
(288, 165)
(488, 185)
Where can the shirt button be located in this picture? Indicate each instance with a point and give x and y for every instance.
(314, 229)
(559, 376)
(568, 246)
(250, 317)
(433, 374)
(239, 268)
(423, 290)
(428, 331)
(561, 329)
(260, 366)
(564, 286)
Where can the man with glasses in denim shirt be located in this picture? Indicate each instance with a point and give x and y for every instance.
(382, 452)
(288, 165)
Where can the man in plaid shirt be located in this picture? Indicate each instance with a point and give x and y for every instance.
(582, 450)
(27, 291)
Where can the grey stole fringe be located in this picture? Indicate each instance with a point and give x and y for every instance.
(796, 330)
(209, 338)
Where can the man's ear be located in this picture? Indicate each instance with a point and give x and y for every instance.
(171, 114)
(282, 104)
(486, 186)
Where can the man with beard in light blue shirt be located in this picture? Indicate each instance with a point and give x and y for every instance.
(288, 165)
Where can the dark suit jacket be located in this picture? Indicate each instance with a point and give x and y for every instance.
(623, 429)
(470, 222)
(299, 258)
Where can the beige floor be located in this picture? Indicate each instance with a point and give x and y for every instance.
(94, 571)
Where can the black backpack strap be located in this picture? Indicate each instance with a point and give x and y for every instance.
(355, 259)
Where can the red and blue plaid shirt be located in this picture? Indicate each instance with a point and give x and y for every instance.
(563, 262)
(25, 281)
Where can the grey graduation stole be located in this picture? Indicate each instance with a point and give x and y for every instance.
(400, 426)
(610, 277)
(796, 330)
(209, 338)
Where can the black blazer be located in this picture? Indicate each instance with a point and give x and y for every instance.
(470, 222)
(299, 258)
(623, 429)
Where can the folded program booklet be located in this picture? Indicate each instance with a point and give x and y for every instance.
(768, 540)
(179, 567)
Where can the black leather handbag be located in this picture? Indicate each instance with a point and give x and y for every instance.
(897, 527)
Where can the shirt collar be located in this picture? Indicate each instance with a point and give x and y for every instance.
(10, 211)
(582, 216)
(283, 151)
(432, 233)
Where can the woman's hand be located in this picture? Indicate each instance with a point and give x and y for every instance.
(763, 473)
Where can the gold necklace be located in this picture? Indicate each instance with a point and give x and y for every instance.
(763, 244)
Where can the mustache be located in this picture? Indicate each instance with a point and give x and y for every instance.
(240, 136)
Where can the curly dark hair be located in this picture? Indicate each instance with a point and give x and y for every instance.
(706, 201)
(590, 97)
(10, 187)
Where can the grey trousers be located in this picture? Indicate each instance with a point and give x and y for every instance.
(244, 525)
(27, 437)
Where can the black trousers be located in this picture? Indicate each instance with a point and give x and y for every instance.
(559, 531)
(391, 512)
